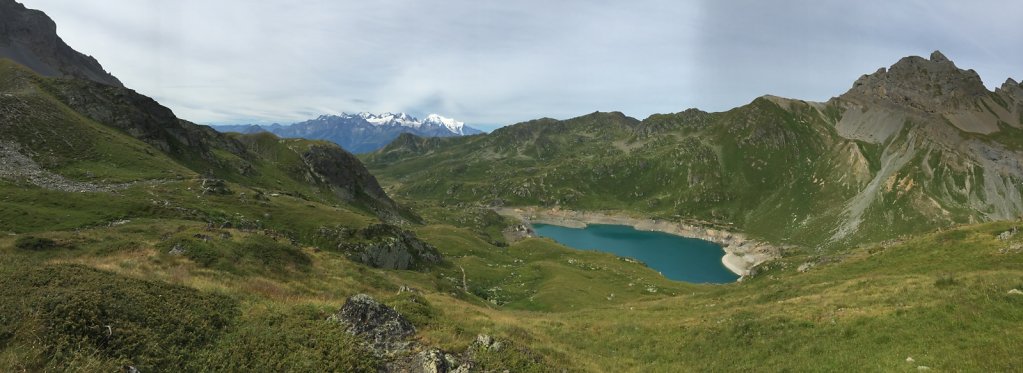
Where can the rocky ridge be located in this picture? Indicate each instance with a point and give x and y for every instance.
(932, 85)
(29, 37)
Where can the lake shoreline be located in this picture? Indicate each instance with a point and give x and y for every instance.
(742, 254)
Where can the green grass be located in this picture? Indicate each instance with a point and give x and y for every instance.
(777, 172)
(250, 253)
(940, 298)
(72, 317)
(255, 279)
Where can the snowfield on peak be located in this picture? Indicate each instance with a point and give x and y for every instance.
(449, 123)
(364, 131)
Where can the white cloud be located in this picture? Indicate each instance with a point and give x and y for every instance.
(492, 63)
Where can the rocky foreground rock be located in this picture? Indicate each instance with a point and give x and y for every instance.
(384, 328)
(390, 336)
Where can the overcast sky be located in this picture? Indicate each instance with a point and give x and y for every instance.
(492, 63)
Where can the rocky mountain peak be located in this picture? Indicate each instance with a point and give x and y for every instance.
(932, 85)
(1012, 88)
(937, 56)
(29, 37)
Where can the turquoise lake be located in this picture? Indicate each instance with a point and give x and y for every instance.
(677, 258)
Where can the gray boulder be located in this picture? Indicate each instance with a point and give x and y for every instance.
(433, 361)
(385, 329)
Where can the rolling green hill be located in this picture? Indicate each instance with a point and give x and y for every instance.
(133, 240)
(919, 146)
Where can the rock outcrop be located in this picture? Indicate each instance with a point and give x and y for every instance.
(141, 117)
(390, 336)
(385, 329)
(932, 85)
(29, 37)
(348, 178)
(388, 246)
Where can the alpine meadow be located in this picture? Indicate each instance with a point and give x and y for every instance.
(878, 230)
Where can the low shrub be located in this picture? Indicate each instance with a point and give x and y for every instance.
(33, 243)
(414, 307)
(946, 280)
(85, 317)
(292, 340)
(254, 253)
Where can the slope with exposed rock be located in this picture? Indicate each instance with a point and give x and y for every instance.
(29, 37)
(919, 145)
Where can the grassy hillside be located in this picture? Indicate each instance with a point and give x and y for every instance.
(941, 298)
(776, 169)
(131, 238)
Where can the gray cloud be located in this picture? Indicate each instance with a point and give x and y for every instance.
(493, 63)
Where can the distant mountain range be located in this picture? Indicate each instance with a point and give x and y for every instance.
(362, 132)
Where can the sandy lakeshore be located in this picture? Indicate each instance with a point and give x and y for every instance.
(741, 254)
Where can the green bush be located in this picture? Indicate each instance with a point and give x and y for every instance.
(257, 254)
(272, 254)
(510, 357)
(35, 243)
(414, 307)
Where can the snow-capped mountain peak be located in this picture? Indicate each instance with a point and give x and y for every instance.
(366, 132)
(433, 122)
(400, 119)
(449, 123)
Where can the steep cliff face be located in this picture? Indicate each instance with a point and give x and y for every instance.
(141, 117)
(29, 37)
(949, 148)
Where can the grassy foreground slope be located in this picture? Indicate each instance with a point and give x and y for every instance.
(247, 302)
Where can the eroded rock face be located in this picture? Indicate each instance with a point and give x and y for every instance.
(385, 329)
(932, 85)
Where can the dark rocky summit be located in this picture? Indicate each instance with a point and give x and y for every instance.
(931, 85)
(29, 37)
